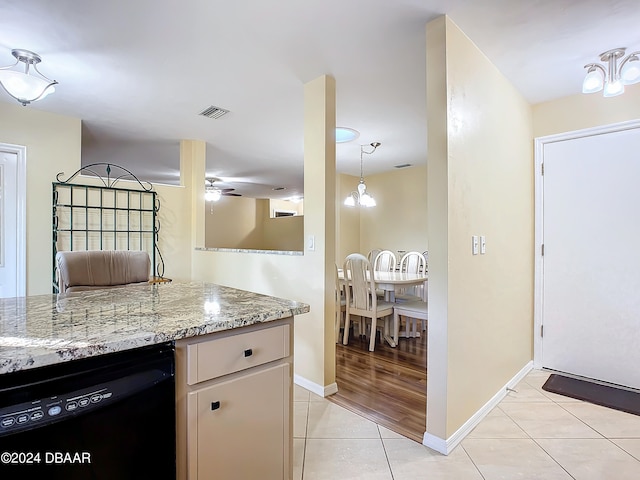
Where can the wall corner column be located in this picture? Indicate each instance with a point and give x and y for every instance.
(437, 219)
(192, 176)
(317, 341)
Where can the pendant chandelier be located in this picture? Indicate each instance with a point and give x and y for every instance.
(614, 75)
(361, 196)
(23, 84)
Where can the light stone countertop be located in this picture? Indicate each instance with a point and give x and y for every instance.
(47, 329)
(248, 250)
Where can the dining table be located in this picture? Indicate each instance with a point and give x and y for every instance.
(387, 282)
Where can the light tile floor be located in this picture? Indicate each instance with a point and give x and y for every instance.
(531, 434)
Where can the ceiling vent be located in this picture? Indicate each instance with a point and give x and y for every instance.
(403, 165)
(213, 112)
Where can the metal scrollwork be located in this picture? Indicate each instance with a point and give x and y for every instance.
(107, 180)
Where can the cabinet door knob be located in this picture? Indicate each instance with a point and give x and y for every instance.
(215, 405)
(248, 352)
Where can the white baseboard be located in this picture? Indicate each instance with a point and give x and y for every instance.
(446, 446)
(314, 387)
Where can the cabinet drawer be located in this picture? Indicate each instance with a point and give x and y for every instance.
(226, 355)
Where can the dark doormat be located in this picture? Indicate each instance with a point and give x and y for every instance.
(605, 395)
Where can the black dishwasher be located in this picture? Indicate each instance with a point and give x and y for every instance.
(107, 417)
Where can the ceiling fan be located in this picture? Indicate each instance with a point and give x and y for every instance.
(213, 193)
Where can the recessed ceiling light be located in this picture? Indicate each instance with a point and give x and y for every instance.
(345, 134)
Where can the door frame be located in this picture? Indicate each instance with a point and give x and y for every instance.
(538, 282)
(21, 213)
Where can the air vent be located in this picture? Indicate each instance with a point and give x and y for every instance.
(278, 189)
(404, 165)
(213, 112)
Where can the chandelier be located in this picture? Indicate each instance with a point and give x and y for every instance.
(614, 75)
(361, 197)
(26, 86)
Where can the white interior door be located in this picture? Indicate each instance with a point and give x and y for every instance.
(8, 225)
(591, 262)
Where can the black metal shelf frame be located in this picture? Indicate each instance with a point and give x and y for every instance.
(105, 217)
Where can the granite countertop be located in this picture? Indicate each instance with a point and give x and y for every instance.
(46, 329)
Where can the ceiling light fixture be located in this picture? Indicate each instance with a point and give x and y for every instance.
(361, 197)
(211, 193)
(613, 76)
(346, 134)
(26, 87)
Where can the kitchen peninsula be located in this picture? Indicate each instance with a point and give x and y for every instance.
(233, 361)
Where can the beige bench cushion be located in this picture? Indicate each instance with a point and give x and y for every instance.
(87, 270)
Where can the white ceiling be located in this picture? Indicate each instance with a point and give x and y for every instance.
(138, 72)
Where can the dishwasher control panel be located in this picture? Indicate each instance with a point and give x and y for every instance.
(46, 410)
(57, 407)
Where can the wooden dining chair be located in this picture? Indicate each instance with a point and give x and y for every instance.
(385, 261)
(341, 305)
(361, 299)
(412, 312)
(412, 262)
(373, 253)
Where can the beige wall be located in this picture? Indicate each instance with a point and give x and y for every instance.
(53, 145)
(480, 183)
(347, 219)
(284, 233)
(242, 222)
(399, 219)
(234, 222)
(585, 111)
(174, 239)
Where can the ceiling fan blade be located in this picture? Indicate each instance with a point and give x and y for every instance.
(226, 194)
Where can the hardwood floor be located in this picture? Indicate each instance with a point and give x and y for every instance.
(387, 386)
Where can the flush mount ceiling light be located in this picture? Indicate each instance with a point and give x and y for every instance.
(345, 134)
(26, 86)
(614, 75)
(361, 197)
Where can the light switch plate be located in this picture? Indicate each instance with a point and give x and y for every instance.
(474, 244)
(311, 242)
(483, 245)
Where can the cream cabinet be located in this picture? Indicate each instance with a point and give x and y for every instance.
(235, 404)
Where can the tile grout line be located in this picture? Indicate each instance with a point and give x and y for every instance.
(472, 461)
(516, 423)
(384, 449)
(554, 458)
(579, 419)
(306, 434)
(621, 448)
